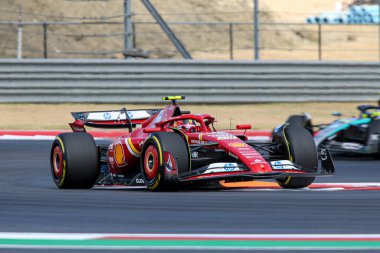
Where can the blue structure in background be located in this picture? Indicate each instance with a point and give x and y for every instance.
(356, 14)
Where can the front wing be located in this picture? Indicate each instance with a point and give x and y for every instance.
(239, 172)
(354, 148)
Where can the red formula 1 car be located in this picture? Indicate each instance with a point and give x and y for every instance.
(174, 149)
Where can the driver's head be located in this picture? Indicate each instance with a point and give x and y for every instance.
(185, 124)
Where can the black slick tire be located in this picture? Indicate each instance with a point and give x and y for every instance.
(300, 121)
(74, 161)
(302, 151)
(154, 167)
(374, 129)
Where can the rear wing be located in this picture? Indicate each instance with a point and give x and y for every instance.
(111, 119)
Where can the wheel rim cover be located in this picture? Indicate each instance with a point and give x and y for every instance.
(151, 162)
(57, 162)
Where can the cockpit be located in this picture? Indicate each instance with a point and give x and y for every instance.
(190, 123)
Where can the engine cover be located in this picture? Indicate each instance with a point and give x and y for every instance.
(123, 157)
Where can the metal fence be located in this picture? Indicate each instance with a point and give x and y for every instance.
(204, 40)
(145, 81)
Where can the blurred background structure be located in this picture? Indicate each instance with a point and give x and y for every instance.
(214, 29)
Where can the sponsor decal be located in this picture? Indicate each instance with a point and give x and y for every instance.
(282, 162)
(251, 155)
(351, 146)
(260, 138)
(219, 134)
(130, 115)
(237, 144)
(118, 115)
(197, 142)
(283, 165)
(139, 181)
(107, 115)
(111, 115)
(277, 164)
(169, 162)
(258, 161)
(222, 167)
(224, 138)
(194, 155)
(229, 167)
(121, 176)
(138, 114)
(323, 154)
(119, 154)
(194, 141)
(246, 149)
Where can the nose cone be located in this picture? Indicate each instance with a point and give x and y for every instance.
(245, 153)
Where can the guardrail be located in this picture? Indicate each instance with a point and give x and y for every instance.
(145, 81)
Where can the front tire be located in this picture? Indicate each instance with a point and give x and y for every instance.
(301, 121)
(154, 164)
(74, 161)
(374, 129)
(302, 151)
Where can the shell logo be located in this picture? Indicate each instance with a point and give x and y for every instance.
(119, 154)
(237, 144)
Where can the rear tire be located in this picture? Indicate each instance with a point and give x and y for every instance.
(374, 129)
(300, 121)
(74, 161)
(303, 152)
(154, 171)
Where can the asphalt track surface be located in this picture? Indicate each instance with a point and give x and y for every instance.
(30, 202)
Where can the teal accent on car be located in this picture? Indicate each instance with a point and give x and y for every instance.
(351, 123)
(337, 126)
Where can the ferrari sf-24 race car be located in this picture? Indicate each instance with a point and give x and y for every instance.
(166, 149)
(351, 135)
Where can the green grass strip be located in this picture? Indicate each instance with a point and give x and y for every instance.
(193, 243)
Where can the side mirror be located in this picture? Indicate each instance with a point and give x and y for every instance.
(243, 127)
(337, 114)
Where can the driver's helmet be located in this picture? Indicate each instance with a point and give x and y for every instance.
(363, 115)
(185, 124)
(373, 114)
